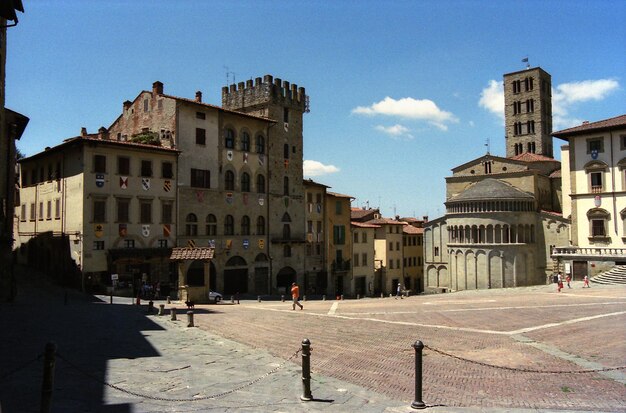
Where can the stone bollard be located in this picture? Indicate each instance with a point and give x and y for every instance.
(324, 297)
(390, 295)
(190, 319)
(173, 314)
(306, 371)
(282, 298)
(304, 298)
(47, 384)
(161, 309)
(150, 307)
(358, 296)
(232, 299)
(259, 298)
(381, 295)
(169, 300)
(341, 297)
(418, 403)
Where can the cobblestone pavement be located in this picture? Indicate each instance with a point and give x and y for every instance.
(368, 342)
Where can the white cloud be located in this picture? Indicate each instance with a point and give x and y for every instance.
(492, 98)
(409, 108)
(395, 131)
(564, 96)
(315, 168)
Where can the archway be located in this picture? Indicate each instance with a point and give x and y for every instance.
(284, 278)
(236, 276)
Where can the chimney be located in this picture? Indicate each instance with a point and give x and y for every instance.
(198, 96)
(83, 131)
(127, 104)
(157, 88)
(103, 133)
(585, 122)
(425, 218)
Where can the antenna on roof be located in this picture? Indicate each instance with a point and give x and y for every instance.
(228, 73)
(488, 145)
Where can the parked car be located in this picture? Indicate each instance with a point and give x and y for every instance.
(215, 297)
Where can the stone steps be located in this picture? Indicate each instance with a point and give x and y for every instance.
(616, 275)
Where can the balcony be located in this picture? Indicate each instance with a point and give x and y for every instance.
(596, 189)
(589, 253)
(340, 266)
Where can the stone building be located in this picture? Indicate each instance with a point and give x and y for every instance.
(91, 207)
(315, 258)
(363, 253)
(594, 182)
(502, 213)
(12, 125)
(339, 245)
(413, 255)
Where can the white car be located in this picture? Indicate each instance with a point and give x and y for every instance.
(215, 297)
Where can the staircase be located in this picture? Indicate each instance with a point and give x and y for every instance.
(616, 275)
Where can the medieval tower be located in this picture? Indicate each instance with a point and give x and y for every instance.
(284, 103)
(528, 112)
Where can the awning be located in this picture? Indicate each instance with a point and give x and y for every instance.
(197, 253)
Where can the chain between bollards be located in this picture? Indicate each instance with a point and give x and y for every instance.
(47, 384)
(418, 403)
(306, 371)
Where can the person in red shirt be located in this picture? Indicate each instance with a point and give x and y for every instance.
(295, 294)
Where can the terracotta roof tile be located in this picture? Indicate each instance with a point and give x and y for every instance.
(617, 121)
(198, 253)
(363, 225)
(410, 229)
(531, 157)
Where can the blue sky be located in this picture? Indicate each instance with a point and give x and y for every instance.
(401, 91)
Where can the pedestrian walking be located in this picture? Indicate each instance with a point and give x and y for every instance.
(586, 282)
(295, 295)
(568, 279)
(559, 284)
(399, 291)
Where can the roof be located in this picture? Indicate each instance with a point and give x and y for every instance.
(335, 194)
(585, 127)
(208, 105)
(491, 189)
(363, 225)
(410, 229)
(358, 213)
(532, 157)
(313, 183)
(198, 253)
(486, 158)
(556, 174)
(385, 221)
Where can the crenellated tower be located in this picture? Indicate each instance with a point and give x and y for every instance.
(284, 103)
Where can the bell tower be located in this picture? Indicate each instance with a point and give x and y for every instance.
(528, 112)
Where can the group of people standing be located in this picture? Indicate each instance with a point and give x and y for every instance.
(558, 279)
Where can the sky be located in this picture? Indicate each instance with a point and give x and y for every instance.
(400, 92)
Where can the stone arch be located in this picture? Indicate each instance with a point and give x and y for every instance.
(482, 270)
(495, 269)
(470, 270)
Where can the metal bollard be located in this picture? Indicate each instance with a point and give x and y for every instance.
(173, 314)
(358, 296)
(161, 309)
(150, 307)
(189, 318)
(341, 297)
(259, 298)
(282, 298)
(306, 371)
(232, 299)
(381, 295)
(418, 403)
(47, 384)
(304, 298)
(324, 297)
(169, 300)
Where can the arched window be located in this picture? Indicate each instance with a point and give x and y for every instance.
(245, 182)
(260, 184)
(285, 186)
(191, 225)
(286, 151)
(245, 141)
(229, 225)
(260, 225)
(229, 138)
(286, 231)
(211, 225)
(286, 217)
(229, 181)
(260, 144)
(245, 225)
(598, 222)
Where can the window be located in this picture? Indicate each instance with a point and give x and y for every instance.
(364, 259)
(622, 140)
(23, 213)
(530, 105)
(286, 115)
(123, 205)
(229, 138)
(286, 232)
(364, 237)
(167, 170)
(123, 165)
(286, 151)
(391, 264)
(339, 234)
(129, 243)
(597, 228)
(355, 258)
(145, 105)
(229, 225)
(191, 225)
(596, 181)
(98, 245)
(260, 184)
(517, 107)
(145, 211)
(245, 182)
(166, 212)
(200, 178)
(200, 115)
(528, 83)
(391, 246)
(260, 144)
(286, 186)
(260, 225)
(517, 86)
(49, 210)
(99, 209)
(162, 243)
(595, 145)
(211, 225)
(356, 236)
(200, 136)
(146, 168)
(338, 209)
(99, 164)
(229, 181)
(436, 251)
(245, 142)
(245, 225)
(530, 127)
(32, 211)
